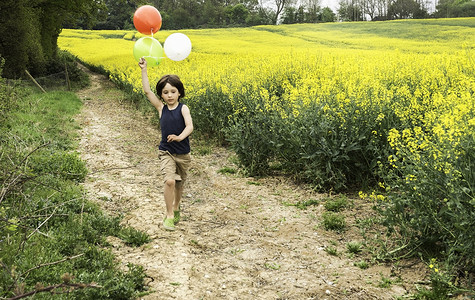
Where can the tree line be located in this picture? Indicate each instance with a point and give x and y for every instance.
(378, 10)
(29, 29)
(187, 14)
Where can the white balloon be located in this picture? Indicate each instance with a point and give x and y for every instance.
(177, 46)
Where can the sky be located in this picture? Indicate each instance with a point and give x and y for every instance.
(333, 4)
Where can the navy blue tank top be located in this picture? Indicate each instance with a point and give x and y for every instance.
(172, 122)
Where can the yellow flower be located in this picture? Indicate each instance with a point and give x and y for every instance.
(362, 195)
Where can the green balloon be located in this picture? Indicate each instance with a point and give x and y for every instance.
(150, 49)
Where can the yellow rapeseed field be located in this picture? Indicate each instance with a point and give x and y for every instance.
(342, 59)
(420, 70)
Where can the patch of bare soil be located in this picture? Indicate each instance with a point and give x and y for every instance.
(237, 239)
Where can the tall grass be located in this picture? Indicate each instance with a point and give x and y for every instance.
(51, 237)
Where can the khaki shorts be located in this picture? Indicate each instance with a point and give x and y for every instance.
(174, 166)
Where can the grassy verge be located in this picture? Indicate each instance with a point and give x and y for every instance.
(52, 239)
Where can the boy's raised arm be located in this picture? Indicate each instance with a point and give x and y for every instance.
(146, 87)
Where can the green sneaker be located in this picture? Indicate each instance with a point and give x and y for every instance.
(176, 216)
(168, 224)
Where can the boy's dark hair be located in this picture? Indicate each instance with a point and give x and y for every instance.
(174, 81)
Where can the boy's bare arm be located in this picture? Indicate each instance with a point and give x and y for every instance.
(146, 87)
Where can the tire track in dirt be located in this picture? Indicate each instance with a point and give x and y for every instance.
(235, 241)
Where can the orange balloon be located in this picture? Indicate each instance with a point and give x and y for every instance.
(147, 19)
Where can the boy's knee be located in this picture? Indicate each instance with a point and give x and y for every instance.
(170, 182)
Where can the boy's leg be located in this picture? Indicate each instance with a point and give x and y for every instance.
(176, 204)
(182, 166)
(178, 194)
(169, 195)
(168, 169)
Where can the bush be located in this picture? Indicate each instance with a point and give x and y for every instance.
(78, 78)
(430, 193)
(336, 204)
(211, 113)
(324, 143)
(7, 95)
(66, 165)
(253, 138)
(133, 237)
(334, 221)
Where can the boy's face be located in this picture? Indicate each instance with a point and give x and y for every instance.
(170, 94)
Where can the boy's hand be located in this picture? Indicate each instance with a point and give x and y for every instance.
(173, 138)
(142, 63)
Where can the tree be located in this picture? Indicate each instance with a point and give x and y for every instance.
(279, 8)
(465, 9)
(294, 15)
(371, 8)
(29, 32)
(237, 14)
(289, 15)
(455, 8)
(13, 35)
(313, 11)
(313, 14)
(404, 9)
(300, 15)
(94, 13)
(262, 16)
(214, 14)
(350, 10)
(119, 15)
(328, 15)
(382, 10)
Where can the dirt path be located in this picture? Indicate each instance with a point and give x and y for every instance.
(236, 239)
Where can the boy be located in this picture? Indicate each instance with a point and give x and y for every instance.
(174, 150)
